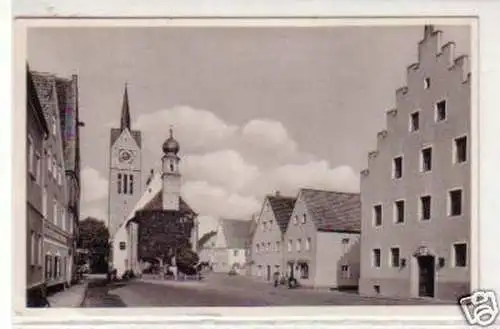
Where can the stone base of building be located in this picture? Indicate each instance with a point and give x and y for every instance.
(451, 291)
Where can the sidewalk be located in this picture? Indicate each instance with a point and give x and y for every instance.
(71, 297)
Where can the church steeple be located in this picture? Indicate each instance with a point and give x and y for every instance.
(125, 119)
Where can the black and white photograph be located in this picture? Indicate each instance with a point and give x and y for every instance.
(249, 166)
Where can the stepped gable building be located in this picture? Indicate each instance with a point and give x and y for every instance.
(267, 253)
(37, 133)
(60, 191)
(416, 191)
(161, 224)
(125, 169)
(323, 239)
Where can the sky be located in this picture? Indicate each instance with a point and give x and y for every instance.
(256, 110)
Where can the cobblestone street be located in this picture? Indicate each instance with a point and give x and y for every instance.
(222, 290)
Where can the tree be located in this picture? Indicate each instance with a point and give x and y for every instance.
(94, 237)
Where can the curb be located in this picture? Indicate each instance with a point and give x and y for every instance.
(84, 295)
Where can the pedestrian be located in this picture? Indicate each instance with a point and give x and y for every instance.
(276, 278)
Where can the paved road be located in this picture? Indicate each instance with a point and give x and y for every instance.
(221, 290)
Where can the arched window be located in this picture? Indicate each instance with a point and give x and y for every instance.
(125, 183)
(171, 165)
(131, 184)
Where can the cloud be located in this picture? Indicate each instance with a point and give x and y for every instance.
(226, 168)
(215, 201)
(94, 185)
(268, 135)
(199, 130)
(289, 178)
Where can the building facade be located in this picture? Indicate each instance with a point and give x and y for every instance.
(125, 169)
(415, 193)
(37, 133)
(58, 226)
(267, 252)
(323, 239)
(232, 246)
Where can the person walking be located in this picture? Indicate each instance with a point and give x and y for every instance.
(276, 278)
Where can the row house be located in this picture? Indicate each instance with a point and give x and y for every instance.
(323, 239)
(313, 238)
(37, 132)
(58, 205)
(232, 246)
(416, 191)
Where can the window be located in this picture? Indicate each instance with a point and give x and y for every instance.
(460, 254)
(460, 149)
(56, 267)
(290, 245)
(40, 250)
(296, 219)
(278, 246)
(119, 183)
(122, 245)
(304, 219)
(425, 207)
(441, 110)
(44, 202)
(298, 244)
(427, 83)
(377, 215)
(308, 244)
(398, 167)
(415, 121)
(33, 248)
(455, 203)
(38, 168)
(54, 211)
(345, 240)
(131, 188)
(264, 226)
(426, 159)
(345, 272)
(269, 246)
(60, 175)
(304, 271)
(49, 161)
(48, 267)
(235, 252)
(257, 248)
(125, 184)
(31, 168)
(399, 211)
(69, 217)
(376, 257)
(395, 257)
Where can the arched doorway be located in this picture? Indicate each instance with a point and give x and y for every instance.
(424, 273)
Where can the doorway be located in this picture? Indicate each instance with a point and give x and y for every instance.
(426, 276)
(268, 272)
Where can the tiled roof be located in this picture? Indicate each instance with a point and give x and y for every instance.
(333, 211)
(157, 203)
(236, 232)
(282, 207)
(115, 133)
(32, 98)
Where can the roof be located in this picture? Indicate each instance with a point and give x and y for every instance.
(33, 100)
(333, 211)
(157, 202)
(282, 207)
(205, 239)
(237, 233)
(116, 132)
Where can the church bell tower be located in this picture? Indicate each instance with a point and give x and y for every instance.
(124, 169)
(170, 174)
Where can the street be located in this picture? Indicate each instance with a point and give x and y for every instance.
(222, 290)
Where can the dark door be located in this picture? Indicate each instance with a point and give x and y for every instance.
(268, 272)
(426, 269)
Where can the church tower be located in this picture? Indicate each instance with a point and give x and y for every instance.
(124, 169)
(170, 174)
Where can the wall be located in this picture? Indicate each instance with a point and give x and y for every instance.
(448, 81)
(272, 234)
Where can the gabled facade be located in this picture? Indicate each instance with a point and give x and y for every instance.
(322, 246)
(416, 190)
(37, 131)
(58, 225)
(267, 256)
(231, 245)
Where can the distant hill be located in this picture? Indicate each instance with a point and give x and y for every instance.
(205, 237)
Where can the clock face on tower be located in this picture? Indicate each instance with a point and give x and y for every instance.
(125, 156)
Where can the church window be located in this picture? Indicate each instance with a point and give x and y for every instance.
(171, 165)
(119, 183)
(131, 184)
(125, 183)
